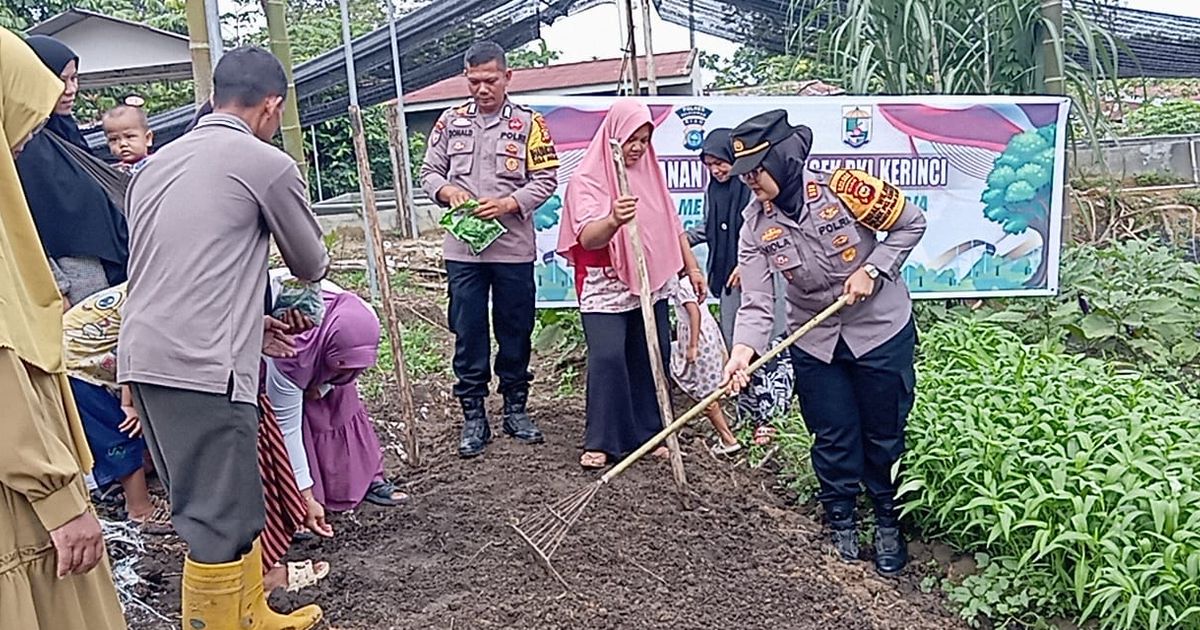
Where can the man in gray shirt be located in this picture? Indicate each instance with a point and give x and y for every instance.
(201, 214)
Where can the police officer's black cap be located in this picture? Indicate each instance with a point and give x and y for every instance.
(754, 138)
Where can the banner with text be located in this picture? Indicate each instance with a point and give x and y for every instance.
(986, 170)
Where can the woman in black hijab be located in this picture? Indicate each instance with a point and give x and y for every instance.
(724, 201)
(81, 229)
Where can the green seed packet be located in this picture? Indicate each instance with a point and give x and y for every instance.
(477, 233)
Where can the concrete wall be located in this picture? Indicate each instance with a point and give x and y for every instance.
(1176, 156)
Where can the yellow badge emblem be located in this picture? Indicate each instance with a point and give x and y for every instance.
(813, 191)
(738, 145)
(511, 148)
(840, 239)
(512, 164)
(540, 153)
(829, 213)
(772, 234)
(850, 254)
(873, 202)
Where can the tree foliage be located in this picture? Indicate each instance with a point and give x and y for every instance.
(533, 55)
(750, 66)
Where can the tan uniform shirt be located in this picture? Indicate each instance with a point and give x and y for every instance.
(200, 217)
(816, 253)
(509, 155)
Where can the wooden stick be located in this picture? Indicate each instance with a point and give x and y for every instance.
(408, 410)
(695, 411)
(398, 151)
(662, 388)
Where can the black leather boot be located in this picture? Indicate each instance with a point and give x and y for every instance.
(516, 419)
(891, 550)
(475, 432)
(845, 530)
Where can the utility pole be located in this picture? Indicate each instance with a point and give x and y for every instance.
(651, 71)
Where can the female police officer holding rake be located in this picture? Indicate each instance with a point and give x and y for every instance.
(854, 373)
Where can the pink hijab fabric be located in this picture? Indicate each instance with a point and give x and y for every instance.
(593, 188)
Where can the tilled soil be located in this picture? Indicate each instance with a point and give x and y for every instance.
(736, 556)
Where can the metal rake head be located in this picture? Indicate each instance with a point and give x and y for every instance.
(545, 531)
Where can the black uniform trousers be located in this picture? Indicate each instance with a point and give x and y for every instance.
(857, 409)
(513, 299)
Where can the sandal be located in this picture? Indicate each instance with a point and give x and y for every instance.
(301, 575)
(764, 435)
(593, 460)
(385, 493)
(159, 521)
(721, 448)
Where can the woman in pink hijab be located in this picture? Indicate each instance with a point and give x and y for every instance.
(622, 410)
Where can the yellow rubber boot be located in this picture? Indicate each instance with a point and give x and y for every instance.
(256, 615)
(212, 596)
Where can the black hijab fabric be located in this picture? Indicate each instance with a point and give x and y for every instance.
(723, 203)
(785, 162)
(56, 55)
(73, 213)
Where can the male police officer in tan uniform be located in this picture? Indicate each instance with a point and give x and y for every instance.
(854, 373)
(501, 155)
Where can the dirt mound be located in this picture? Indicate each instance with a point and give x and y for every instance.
(736, 556)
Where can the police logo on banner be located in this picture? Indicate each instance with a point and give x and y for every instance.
(856, 125)
(693, 117)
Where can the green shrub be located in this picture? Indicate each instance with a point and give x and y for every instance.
(1167, 118)
(1076, 477)
(1134, 302)
(1158, 178)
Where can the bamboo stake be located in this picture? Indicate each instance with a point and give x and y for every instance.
(651, 70)
(408, 410)
(398, 151)
(635, 84)
(202, 68)
(281, 47)
(662, 389)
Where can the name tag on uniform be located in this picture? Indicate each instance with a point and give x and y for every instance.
(461, 122)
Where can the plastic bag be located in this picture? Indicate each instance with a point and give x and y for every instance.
(302, 296)
(477, 233)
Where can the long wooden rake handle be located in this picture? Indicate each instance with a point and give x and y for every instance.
(699, 408)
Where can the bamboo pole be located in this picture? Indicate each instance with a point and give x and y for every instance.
(202, 67)
(281, 46)
(398, 151)
(375, 237)
(401, 125)
(636, 85)
(651, 70)
(662, 389)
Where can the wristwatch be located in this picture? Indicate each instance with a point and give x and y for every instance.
(871, 270)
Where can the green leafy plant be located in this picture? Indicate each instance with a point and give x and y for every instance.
(1134, 302)
(1174, 117)
(1190, 197)
(1157, 178)
(1075, 476)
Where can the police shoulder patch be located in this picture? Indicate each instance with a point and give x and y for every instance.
(874, 202)
(540, 152)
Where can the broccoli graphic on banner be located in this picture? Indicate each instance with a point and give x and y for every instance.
(1018, 194)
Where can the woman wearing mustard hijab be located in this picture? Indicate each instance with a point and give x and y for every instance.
(54, 573)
